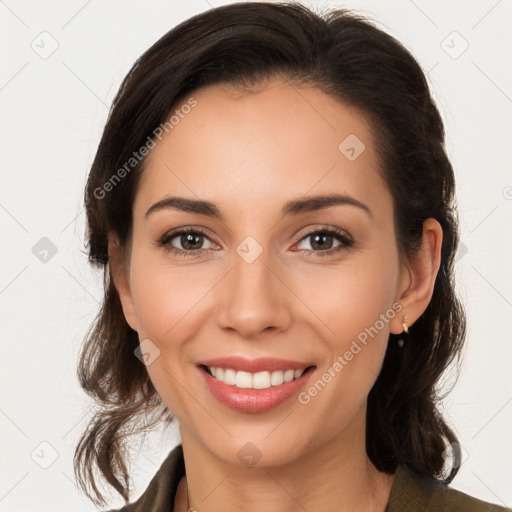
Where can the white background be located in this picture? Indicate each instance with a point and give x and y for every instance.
(53, 111)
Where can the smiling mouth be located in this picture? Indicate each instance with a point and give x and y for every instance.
(258, 380)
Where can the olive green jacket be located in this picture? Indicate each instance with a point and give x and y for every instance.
(409, 493)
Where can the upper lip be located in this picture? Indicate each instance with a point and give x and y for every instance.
(254, 365)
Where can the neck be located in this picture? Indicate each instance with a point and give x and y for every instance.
(334, 476)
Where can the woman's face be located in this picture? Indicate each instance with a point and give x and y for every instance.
(314, 287)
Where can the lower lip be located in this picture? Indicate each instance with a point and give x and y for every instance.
(253, 400)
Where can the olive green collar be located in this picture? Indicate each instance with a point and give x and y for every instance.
(410, 492)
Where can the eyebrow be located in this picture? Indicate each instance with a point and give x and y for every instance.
(294, 207)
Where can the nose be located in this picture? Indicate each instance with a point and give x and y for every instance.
(253, 298)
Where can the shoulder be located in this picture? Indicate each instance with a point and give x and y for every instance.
(453, 500)
(159, 494)
(411, 491)
(446, 498)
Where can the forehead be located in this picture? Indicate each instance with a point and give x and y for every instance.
(281, 142)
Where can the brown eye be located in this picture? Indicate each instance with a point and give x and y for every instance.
(191, 240)
(185, 242)
(321, 241)
(325, 241)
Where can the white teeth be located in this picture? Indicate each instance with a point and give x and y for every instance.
(277, 378)
(289, 375)
(229, 377)
(243, 380)
(260, 380)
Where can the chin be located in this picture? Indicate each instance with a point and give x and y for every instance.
(257, 450)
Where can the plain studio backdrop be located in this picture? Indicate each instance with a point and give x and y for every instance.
(62, 63)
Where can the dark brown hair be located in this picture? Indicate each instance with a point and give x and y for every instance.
(347, 57)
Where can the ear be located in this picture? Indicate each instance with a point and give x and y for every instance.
(120, 274)
(419, 277)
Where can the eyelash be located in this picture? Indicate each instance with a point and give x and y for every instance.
(346, 242)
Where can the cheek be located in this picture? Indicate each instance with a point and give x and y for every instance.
(351, 297)
(355, 304)
(168, 301)
(166, 298)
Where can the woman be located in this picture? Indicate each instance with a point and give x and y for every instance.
(274, 211)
